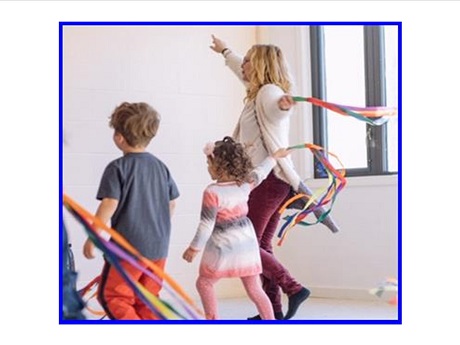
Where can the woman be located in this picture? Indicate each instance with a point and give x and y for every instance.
(263, 128)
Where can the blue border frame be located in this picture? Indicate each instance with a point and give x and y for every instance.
(241, 322)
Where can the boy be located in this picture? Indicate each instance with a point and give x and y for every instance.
(137, 195)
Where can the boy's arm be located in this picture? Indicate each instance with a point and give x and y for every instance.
(172, 207)
(104, 212)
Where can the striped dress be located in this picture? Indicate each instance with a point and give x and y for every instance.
(225, 232)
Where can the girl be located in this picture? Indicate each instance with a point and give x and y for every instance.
(225, 232)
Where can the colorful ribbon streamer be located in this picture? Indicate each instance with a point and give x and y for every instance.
(118, 248)
(388, 287)
(322, 197)
(85, 291)
(374, 116)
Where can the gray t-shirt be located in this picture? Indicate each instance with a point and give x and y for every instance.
(143, 186)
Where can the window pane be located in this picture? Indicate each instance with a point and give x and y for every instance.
(345, 80)
(391, 67)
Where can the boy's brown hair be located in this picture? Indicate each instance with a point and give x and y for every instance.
(137, 122)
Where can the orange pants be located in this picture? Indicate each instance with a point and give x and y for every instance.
(117, 297)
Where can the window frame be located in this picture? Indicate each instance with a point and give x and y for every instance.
(375, 88)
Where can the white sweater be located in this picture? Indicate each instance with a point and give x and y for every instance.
(267, 129)
(263, 127)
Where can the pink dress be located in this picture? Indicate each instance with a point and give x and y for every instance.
(225, 232)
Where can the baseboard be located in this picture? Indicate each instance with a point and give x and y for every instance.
(341, 293)
(235, 290)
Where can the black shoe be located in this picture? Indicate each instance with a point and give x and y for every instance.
(295, 301)
(279, 316)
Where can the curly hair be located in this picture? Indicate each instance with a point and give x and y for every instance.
(230, 158)
(268, 67)
(137, 122)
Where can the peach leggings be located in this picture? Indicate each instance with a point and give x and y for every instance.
(253, 287)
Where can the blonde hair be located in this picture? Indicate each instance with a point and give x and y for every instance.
(137, 122)
(268, 67)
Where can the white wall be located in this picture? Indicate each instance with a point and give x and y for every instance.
(172, 68)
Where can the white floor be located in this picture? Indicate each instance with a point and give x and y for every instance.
(316, 309)
(313, 310)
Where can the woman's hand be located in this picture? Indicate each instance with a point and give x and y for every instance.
(281, 153)
(218, 45)
(286, 102)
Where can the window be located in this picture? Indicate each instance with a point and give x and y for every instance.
(356, 65)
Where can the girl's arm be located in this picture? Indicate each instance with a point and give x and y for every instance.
(205, 227)
(261, 172)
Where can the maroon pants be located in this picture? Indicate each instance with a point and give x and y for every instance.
(264, 203)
